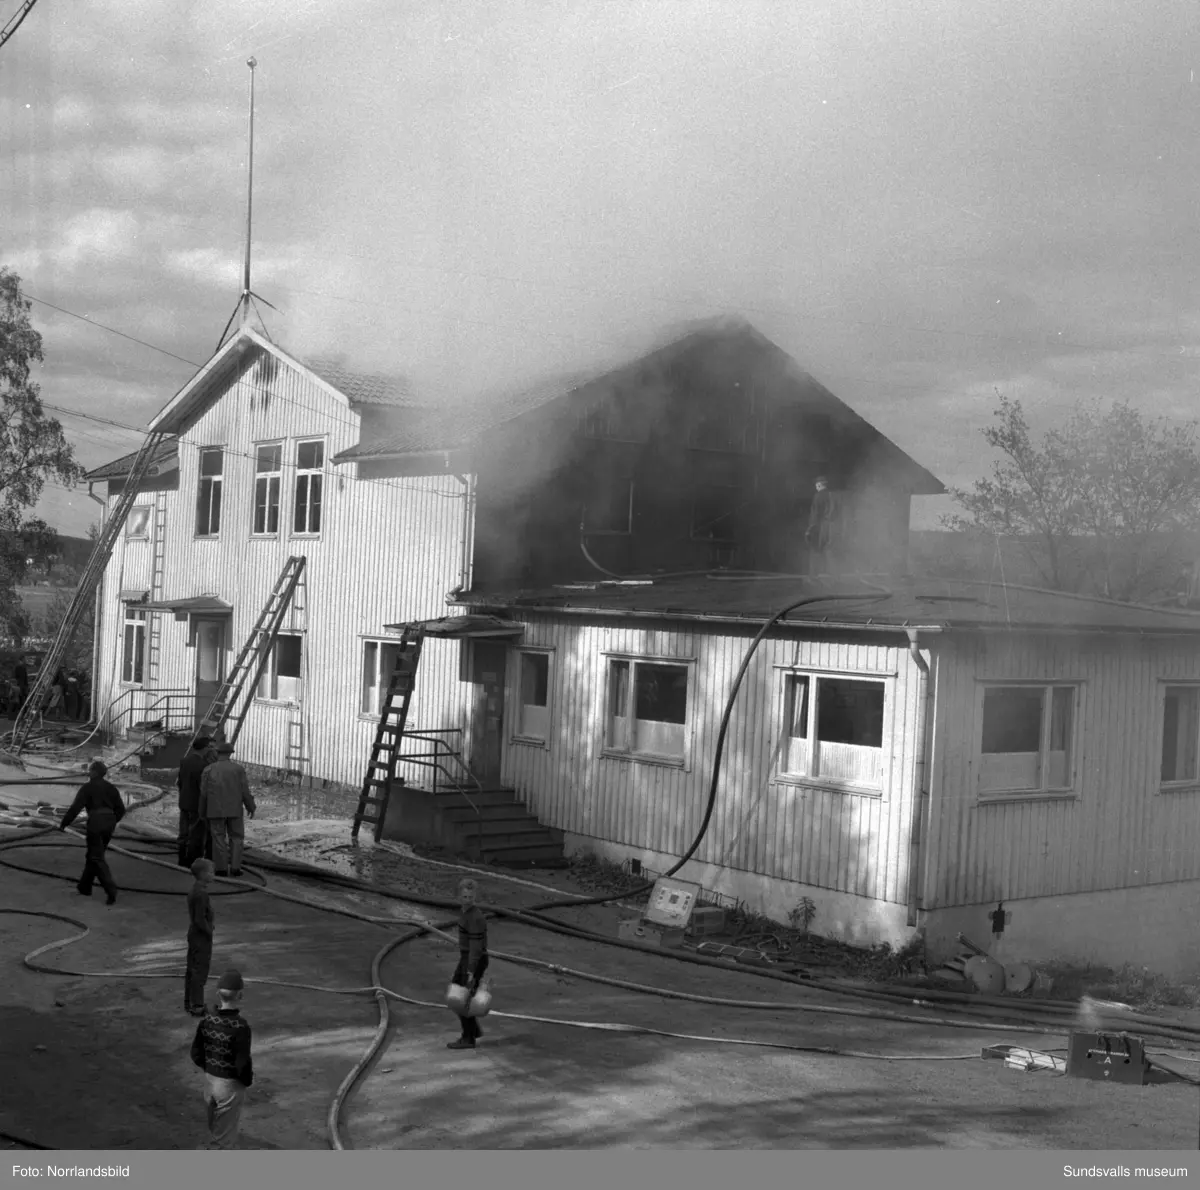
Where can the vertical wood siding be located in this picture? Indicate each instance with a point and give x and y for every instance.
(850, 842)
(1119, 831)
(389, 550)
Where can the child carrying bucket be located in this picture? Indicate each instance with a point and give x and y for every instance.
(472, 963)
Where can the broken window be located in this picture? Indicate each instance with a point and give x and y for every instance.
(714, 513)
(533, 721)
(1027, 738)
(133, 655)
(379, 660)
(834, 729)
(267, 476)
(610, 511)
(280, 681)
(647, 709)
(310, 461)
(208, 498)
(1181, 733)
(138, 524)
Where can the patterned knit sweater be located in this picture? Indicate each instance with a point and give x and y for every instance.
(222, 1046)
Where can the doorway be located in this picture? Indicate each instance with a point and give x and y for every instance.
(210, 664)
(488, 660)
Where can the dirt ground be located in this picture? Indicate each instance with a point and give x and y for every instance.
(103, 1062)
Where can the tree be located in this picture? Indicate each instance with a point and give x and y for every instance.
(33, 451)
(1108, 502)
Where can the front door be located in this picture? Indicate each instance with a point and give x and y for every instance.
(210, 664)
(487, 721)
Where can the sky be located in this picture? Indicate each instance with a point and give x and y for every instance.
(925, 203)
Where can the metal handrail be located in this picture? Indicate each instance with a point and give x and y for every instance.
(426, 733)
(168, 694)
(416, 758)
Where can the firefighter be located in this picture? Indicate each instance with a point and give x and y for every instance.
(224, 794)
(105, 809)
(192, 828)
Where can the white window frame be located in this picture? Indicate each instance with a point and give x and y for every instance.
(1043, 789)
(135, 531)
(526, 729)
(210, 497)
(268, 689)
(133, 618)
(1176, 783)
(311, 476)
(809, 771)
(381, 675)
(272, 483)
(626, 532)
(631, 751)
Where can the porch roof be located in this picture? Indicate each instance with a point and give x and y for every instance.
(208, 605)
(460, 627)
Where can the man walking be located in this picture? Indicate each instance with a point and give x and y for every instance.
(192, 828)
(224, 793)
(105, 809)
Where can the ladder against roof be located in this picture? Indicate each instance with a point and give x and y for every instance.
(88, 582)
(385, 752)
(236, 692)
(158, 546)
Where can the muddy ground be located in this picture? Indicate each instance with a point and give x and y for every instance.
(102, 1061)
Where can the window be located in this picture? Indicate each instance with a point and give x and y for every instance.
(533, 717)
(611, 511)
(138, 524)
(724, 430)
(1027, 738)
(1181, 733)
(714, 513)
(133, 655)
(266, 489)
(310, 459)
(280, 681)
(208, 498)
(647, 708)
(379, 660)
(834, 729)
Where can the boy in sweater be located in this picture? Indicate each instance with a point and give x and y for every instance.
(472, 960)
(222, 1050)
(199, 937)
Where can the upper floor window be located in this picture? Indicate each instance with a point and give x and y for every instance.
(280, 681)
(647, 708)
(726, 430)
(138, 524)
(133, 656)
(310, 460)
(1181, 734)
(208, 496)
(1028, 738)
(610, 511)
(834, 729)
(533, 710)
(267, 475)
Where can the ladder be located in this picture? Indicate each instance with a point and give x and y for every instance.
(253, 658)
(158, 546)
(96, 564)
(385, 752)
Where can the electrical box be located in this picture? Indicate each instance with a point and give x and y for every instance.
(638, 929)
(706, 920)
(666, 917)
(1108, 1057)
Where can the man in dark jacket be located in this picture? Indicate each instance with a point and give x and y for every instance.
(105, 809)
(224, 796)
(192, 828)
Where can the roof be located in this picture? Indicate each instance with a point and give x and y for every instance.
(119, 468)
(461, 627)
(362, 388)
(458, 425)
(877, 603)
(195, 605)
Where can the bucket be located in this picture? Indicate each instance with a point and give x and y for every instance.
(481, 1002)
(456, 997)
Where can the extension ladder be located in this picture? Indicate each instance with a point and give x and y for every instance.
(88, 582)
(381, 768)
(253, 658)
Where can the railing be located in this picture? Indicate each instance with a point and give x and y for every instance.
(432, 760)
(178, 704)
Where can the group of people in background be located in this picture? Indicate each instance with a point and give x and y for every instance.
(69, 697)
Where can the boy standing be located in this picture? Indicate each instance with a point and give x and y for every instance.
(221, 1049)
(199, 937)
(472, 960)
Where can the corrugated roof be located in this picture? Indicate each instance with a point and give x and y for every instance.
(879, 602)
(119, 468)
(362, 388)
